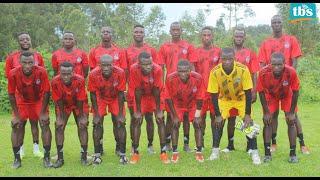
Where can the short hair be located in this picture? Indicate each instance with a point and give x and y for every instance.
(105, 57)
(68, 32)
(66, 64)
(184, 62)
(144, 55)
(240, 28)
(278, 55)
(207, 28)
(107, 27)
(276, 16)
(227, 50)
(175, 23)
(20, 33)
(26, 54)
(138, 25)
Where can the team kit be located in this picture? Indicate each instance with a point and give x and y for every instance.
(177, 86)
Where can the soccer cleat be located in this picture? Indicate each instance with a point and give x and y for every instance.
(267, 159)
(164, 158)
(175, 157)
(96, 159)
(293, 159)
(273, 148)
(195, 149)
(36, 151)
(199, 157)
(16, 164)
(59, 163)
(22, 152)
(47, 163)
(249, 151)
(228, 149)
(134, 158)
(123, 159)
(186, 148)
(85, 162)
(215, 154)
(151, 150)
(255, 157)
(304, 150)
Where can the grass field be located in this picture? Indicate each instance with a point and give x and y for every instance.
(237, 163)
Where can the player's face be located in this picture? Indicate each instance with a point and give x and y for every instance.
(238, 37)
(146, 65)
(276, 24)
(66, 73)
(27, 64)
(184, 72)
(277, 66)
(175, 31)
(227, 61)
(138, 34)
(106, 34)
(206, 37)
(24, 41)
(68, 40)
(106, 67)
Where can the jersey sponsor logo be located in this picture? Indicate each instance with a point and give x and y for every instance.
(116, 56)
(247, 59)
(215, 59)
(79, 60)
(115, 83)
(194, 89)
(151, 80)
(38, 81)
(285, 83)
(237, 80)
(287, 45)
(184, 51)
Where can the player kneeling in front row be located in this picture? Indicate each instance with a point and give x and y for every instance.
(69, 95)
(230, 86)
(107, 84)
(29, 92)
(184, 94)
(278, 82)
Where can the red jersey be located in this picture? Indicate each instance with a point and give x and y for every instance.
(170, 53)
(206, 60)
(28, 89)
(13, 61)
(146, 83)
(133, 52)
(184, 95)
(69, 94)
(119, 57)
(278, 88)
(249, 58)
(77, 57)
(286, 44)
(107, 89)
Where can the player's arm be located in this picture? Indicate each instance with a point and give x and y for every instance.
(121, 105)
(137, 95)
(295, 63)
(54, 64)
(254, 91)
(15, 121)
(266, 113)
(172, 110)
(156, 94)
(247, 117)
(218, 119)
(294, 100)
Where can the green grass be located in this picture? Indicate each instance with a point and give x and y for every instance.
(237, 163)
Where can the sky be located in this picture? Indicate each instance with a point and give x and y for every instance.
(174, 11)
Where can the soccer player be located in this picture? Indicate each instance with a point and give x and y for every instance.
(184, 94)
(119, 59)
(289, 46)
(13, 61)
(146, 84)
(107, 84)
(169, 55)
(77, 57)
(230, 86)
(29, 92)
(247, 57)
(132, 53)
(69, 95)
(207, 57)
(278, 82)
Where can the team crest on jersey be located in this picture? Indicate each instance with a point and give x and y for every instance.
(194, 89)
(287, 44)
(38, 81)
(285, 83)
(115, 83)
(247, 59)
(215, 59)
(116, 56)
(151, 79)
(79, 59)
(184, 51)
(237, 80)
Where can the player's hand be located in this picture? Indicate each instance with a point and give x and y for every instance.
(218, 122)
(291, 118)
(247, 121)
(267, 119)
(137, 115)
(254, 96)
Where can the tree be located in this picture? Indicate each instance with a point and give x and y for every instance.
(237, 12)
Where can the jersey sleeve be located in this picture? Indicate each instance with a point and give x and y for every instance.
(41, 61)
(262, 56)
(92, 61)
(295, 82)
(161, 56)
(11, 84)
(85, 60)
(54, 62)
(201, 92)
(295, 49)
(192, 54)
(122, 81)
(158, 78)
(81, 95)
(154, 55)
(91, 83)
(213, 86)
(56, 93)
(133, 79)
(46, 83)
(259, 87)
(254, 63)
(123, 59)
(8, 65)
(167, 90)
(247, 81)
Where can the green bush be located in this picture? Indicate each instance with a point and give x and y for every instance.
(4, 100)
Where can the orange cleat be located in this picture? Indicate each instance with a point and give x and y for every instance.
(134, 158)
(175, 157)
(164, 158)
(273, 147)
(199, 157)
(305, 150)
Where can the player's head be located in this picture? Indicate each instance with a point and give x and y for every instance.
(27, 62)
(276, 24)
(184, 69)
(138, 33)
(207, 35)
(145, 62)
(106, 34)
(24, 41)
(68, 40)
(239, 35)
(106, 65)
(66, 72)
(227, 58)
(175, 30)
(277, 62)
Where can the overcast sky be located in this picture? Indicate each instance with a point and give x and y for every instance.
(174, 11)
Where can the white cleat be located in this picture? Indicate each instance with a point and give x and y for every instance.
(22, 152)
(36, 151)
(255, 157)
(215, 154)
